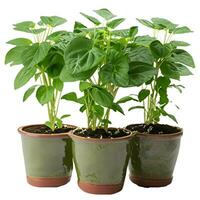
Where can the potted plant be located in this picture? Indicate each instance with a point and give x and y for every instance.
(156, 146)
(46, 147)
(97, 57)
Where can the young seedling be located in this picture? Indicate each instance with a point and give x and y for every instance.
(42, 59)
(100, 59)
(170, 61)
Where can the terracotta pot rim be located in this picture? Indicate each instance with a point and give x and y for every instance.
(39, 135)
(170, 135)
(99, 140)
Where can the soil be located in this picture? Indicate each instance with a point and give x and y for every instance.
(43, 129)
(153, 128)
(102, 133)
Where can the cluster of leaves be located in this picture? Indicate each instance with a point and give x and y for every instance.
(100, 58)
(42, 60)
(170, 62)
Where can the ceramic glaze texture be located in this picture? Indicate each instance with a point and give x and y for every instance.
(101, 162)
(47, 157)
(153, 157)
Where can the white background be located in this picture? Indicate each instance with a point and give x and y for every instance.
(14, 113)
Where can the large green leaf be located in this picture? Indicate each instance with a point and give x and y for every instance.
(92, 19)
(14, 55)
(170, 70)
(181, 30)
(24, 75)
(35, 54)
(81, 55)
(20, 42)
(158, 49)
(52, 20)
(140, 73)
(162, 23)
(105, 13)
(115, 71)
(102, 97)
(114, 23)
(44, 94)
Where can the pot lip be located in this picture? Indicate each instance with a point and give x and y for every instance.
(39, 135)
(170, 135)
(102, 140)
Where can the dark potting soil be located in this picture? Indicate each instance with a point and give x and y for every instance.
(102, 133)
(43, 129)
(153, 128)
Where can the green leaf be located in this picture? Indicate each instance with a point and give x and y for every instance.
(59, 123)
(58, 84)
(72, 97)
(24, 75)
(20, 42)
(35, 54)
(125, 99)
(145, 40)
(92, 19)
(164, 113)
(178, 87)
(163, 96)
(37, 75)
(84, 85)
(135, 107)
(146, 23)
(162, 23)
(102, 97)
(114, 23)
(98, 111)
(83, 108)
(52, 21)
(158, 49)
(78, 26)
(182, 56)
(44, 94)
(26, 26)
(140, 54)
(117, 107)
(140, 73)
(176, 43)
(162, 82)
(65, 116)
(81, 55)
(105, 13)
(48, 124)
(116, 71)
(29, 92)
(181, 30)
(14, 55)
(143, 94)
(131, 32)
(57, 36)
(169, 70)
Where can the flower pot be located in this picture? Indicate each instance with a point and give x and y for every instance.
(153, 157)
(101, 163)
(48, 157)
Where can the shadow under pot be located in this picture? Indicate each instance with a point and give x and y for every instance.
(154, 151)
(101, 159)
(47, 156)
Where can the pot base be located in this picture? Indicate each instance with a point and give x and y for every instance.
(150, 182)
(100, 189)
(47, 182)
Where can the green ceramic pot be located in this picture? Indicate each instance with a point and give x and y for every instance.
(153, 158)
(101, 163)
(48, 158)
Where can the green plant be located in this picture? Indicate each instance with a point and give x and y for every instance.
(100, 58)
(170, 61)
(42, 59)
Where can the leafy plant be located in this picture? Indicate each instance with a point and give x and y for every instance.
(170, 62)
(101, 59)
(42, 60)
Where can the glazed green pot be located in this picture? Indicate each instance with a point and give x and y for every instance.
(153, 158)
(101, 164)
(48, 158)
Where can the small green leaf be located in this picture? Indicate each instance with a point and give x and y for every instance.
(135, 107)
(48, 124)
(164, 113)
(176, 43)
(72, 97)
(26, 26)
(78, 26)
(84, 85)
(114, 23)
(146, 23)
(169, 70)
(52, 21)
(158, 49)
(178, 87)
(57, 36)
(24, 75)
(59, 123)
(181, 30)
(143, 94)
(58, 84)
(117, 107)
(65, 116)
(29, 92)
(162, 82)
(44, 94)
(105, 13)
(162, 23)
(92, 19)
(20, 42)
(125, 99)
(98, 111)
(145, 40)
